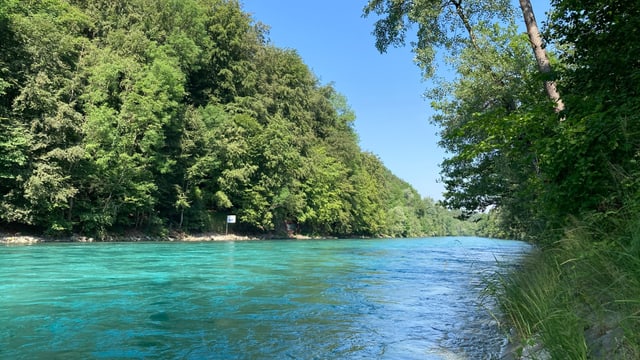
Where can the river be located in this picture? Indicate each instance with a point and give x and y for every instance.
(279, 299)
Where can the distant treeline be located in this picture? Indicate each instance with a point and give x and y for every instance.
(160, 115)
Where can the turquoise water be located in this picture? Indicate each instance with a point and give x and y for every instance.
(324, 299)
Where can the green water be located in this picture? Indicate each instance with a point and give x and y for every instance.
(325, 299)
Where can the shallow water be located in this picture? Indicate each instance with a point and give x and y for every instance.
(324, 299)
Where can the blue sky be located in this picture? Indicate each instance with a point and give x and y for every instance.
(384, 90)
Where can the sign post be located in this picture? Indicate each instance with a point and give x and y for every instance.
(231, 219)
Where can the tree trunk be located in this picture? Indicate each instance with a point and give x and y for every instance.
(541, 55)
(467, 24)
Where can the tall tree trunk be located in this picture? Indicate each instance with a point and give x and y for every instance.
(541, 55)
(467, 25)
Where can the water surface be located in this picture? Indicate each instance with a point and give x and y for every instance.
(324, 299)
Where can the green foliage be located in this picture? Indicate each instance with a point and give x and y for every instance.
(508, 150)
(325, 183)
(154, 115)
(442, 25)
(534, 303)
(492, 122)
(579, 297)
(601, 78)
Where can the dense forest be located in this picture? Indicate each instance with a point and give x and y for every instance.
(165, 115)
(543, 128)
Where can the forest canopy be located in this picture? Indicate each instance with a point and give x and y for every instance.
(158, 115)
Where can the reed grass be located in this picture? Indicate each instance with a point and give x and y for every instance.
(579, 298)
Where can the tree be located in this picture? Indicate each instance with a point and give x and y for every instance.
(540, 54)
(594, 158)
(153, 115)
(325, 185)
(493, 120)
(14, 137)
(495, 131)
(367, 200)
(438, 23)
(47, 45)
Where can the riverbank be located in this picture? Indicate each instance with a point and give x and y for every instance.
(17, 238)
(21, 239)
(578, 299)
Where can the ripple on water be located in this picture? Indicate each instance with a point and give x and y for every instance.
(349, 299)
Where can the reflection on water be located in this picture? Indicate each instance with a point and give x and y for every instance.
(347, 299)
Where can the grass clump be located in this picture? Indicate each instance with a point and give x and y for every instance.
(577, 299)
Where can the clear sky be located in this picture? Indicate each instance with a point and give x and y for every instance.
(384, 90)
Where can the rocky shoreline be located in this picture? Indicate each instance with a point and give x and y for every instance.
(17, 239)
(24, 239)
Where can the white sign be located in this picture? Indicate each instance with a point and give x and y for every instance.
(231, 219)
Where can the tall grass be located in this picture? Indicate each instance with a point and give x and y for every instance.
(580, 298)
